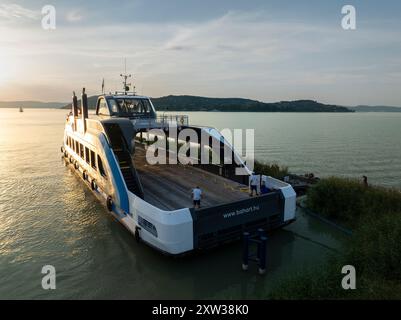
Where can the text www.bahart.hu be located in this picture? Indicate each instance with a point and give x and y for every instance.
(241, 211)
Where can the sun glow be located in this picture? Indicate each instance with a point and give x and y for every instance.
(6, 68)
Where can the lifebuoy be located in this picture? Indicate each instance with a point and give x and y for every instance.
(76, 165)
(109, 203)
(62, 149)
(71, 159)
(93, 184)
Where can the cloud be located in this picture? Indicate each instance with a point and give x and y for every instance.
(15, 11)
(237, 54)
(74, 16)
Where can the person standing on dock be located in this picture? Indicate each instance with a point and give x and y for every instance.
(196, 196)
(253, 182)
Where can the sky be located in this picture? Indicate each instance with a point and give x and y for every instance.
(264, 50)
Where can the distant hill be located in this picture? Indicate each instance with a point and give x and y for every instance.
(31, 104)
(194, 103)
(375, 109)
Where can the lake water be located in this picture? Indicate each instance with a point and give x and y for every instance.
(341, 144)
(48, 217)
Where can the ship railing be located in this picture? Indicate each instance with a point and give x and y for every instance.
(173, 119)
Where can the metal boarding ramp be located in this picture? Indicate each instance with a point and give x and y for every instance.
(214, 226)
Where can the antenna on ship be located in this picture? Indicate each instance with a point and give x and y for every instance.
(125, 76)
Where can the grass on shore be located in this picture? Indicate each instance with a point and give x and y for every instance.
(374, 249)
(273, 170)
(349, 202)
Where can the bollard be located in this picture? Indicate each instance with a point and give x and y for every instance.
(261, 233)
(262, 255)
(260, 239)
(245, 252)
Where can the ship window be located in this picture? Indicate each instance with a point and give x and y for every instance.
(100, 165)
(81, 153)
(93, 160)
(76, 147)
(113, 106)
(133, 106)
(103, 109)
(87, 155)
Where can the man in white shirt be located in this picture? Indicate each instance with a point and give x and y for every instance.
(253, 182)
(196, 196)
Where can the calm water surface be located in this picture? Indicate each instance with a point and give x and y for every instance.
(47, 216)
(341, 144)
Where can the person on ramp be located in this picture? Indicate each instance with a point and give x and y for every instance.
(196, 197)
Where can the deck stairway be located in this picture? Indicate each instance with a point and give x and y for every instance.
(121, 151)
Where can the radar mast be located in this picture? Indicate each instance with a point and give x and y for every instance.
(125, 77)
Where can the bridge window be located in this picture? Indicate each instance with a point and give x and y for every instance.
(100, 165)
(113, 106)
(133, 106)
(103, 109)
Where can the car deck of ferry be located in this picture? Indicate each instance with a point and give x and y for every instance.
(169, 186)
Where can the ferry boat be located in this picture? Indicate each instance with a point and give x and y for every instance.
(108, 149)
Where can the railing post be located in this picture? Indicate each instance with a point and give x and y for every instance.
(261, 233)
(245, 252)
(262, 255)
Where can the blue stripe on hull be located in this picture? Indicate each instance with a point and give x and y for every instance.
(116, 179)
